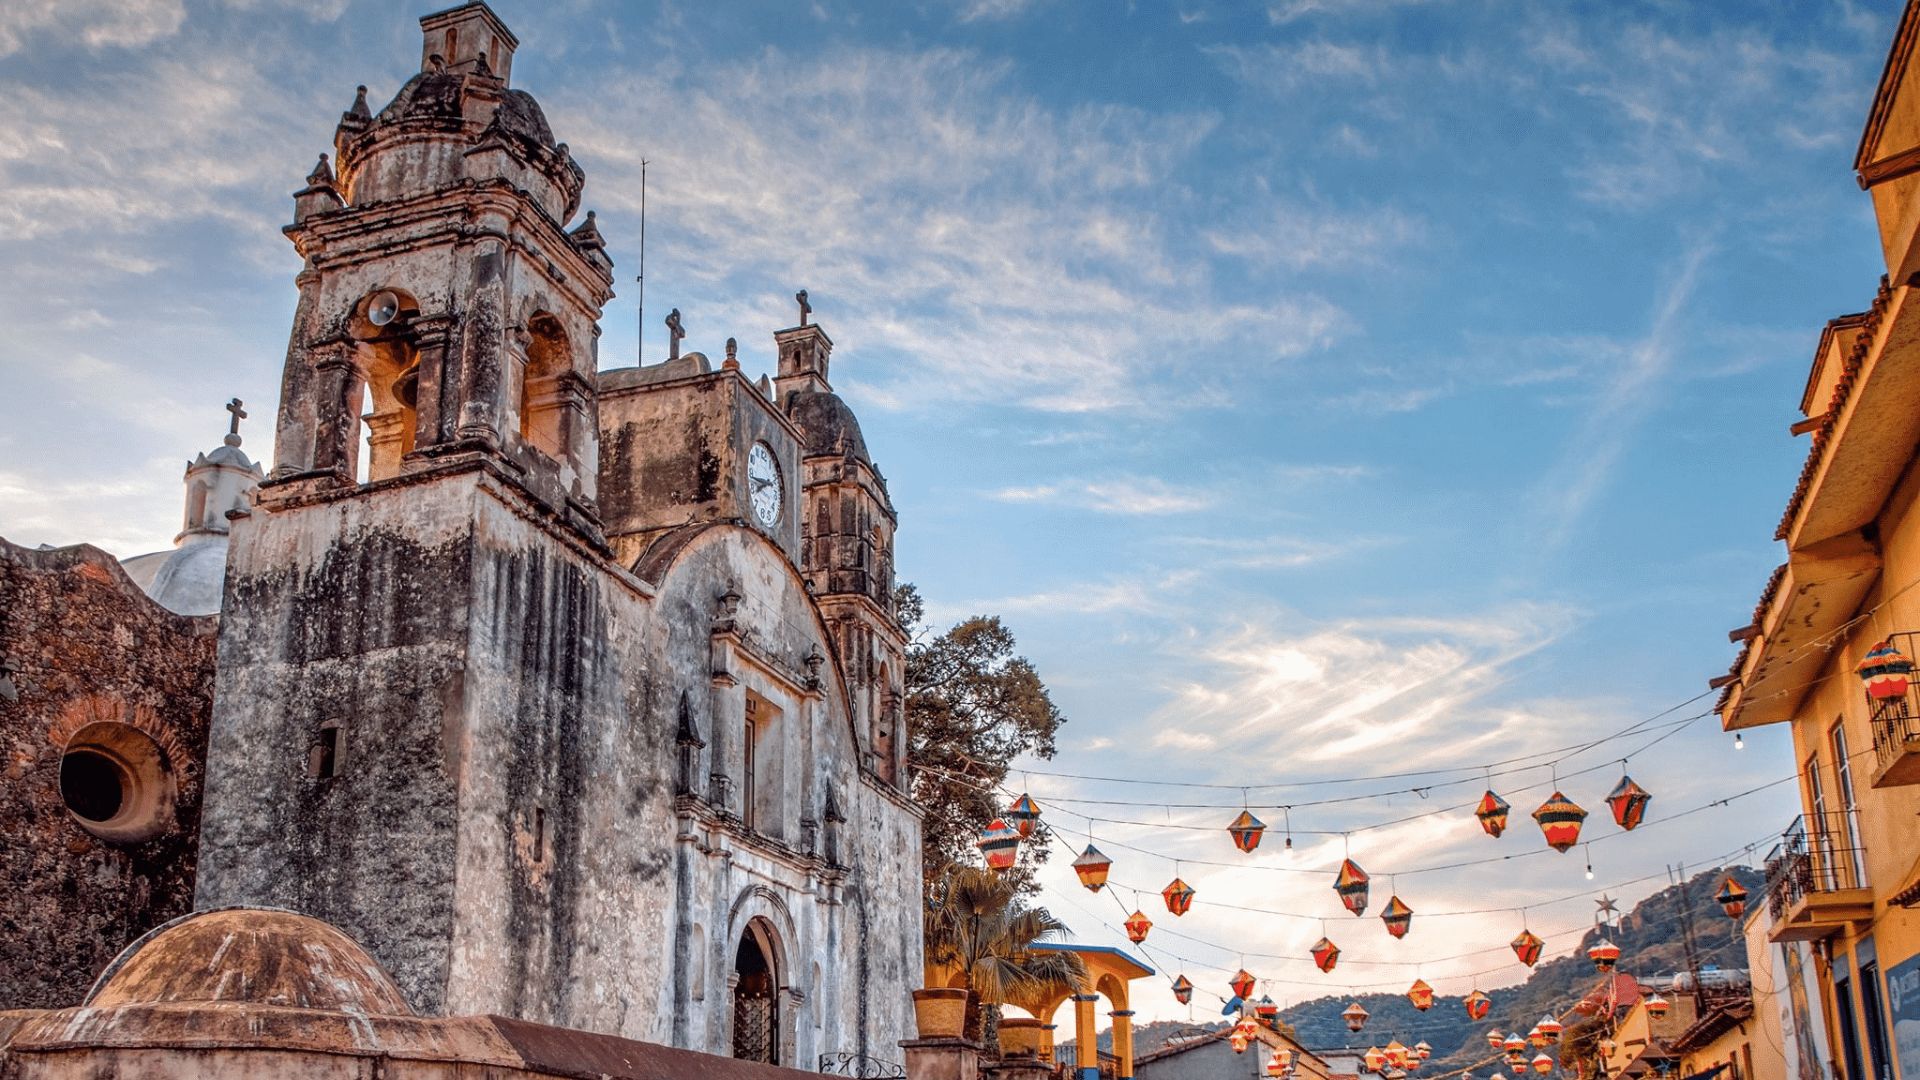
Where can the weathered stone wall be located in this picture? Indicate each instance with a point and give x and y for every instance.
(85, 651)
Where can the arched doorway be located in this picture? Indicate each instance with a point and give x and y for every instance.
(756, 1002)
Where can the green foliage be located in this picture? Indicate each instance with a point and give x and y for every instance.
(977, 924)
(973, 705)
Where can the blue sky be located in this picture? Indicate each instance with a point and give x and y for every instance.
(1320, 387)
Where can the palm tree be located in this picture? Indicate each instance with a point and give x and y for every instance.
(977, 925)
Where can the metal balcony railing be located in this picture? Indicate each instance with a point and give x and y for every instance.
(1896, 721)
(860, 1067)
(1819, 853)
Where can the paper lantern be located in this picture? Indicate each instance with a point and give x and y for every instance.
(1375, 1059)
(1420, 995)
(1657, 1006)
(1398, 917)
(1000, 845)
(1246, 830)
(1731, 897)
(1246, 1028)
(1560, 822)
(1285, 1057)
(1422, 1050)
(1274, 1068)
(1178, 895)
(1518, 1060)
(1137, 925)
(1182, 990)
(1536, 1037)
(1607, 1047)
(1239, 1042)
(1477, 1005)
(1629, 803)
(1356, 1016)
(1496, 1041)
(1542, 1064)
(1550, 1027)
(1092, 868)
(1024, 814)
(1397, 1054)
(1241, 983)
(1265, 1009)
(1527, 947)
(1886, 671)
(1514, 1044)
(1492, 813)
(1325, 954)
(1351, 884)
(1604, 954)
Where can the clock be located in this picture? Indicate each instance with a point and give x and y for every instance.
(763, 484)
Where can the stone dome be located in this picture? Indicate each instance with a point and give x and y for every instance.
(830, 426)
(259, 956)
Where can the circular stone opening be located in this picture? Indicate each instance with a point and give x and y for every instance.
(115, 782)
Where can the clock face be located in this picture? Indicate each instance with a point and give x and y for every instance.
(763, 484)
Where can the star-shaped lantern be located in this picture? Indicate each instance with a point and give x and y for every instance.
(1351, 884)
(1604, 954)
(1137, 925)
(1628, 803)
(1024, 814)
(1325, 954)
(1182, 990)
(1246, 830)
(1356, 1016)
(1492, 813)
(1560, 822)
(999, 844)
(1420, 995)
(1886, 671)
(1477, 1005)
(1732, 898)
(1178, 895)
(1527, 947)
(1398, 917)
(1241, 984)
(1092, 868)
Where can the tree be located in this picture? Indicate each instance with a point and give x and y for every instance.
(977, 927)
(972, 705)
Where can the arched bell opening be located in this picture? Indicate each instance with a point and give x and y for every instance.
(544, 400)
(387, 369)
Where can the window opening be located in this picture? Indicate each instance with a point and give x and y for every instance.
(756, 1021)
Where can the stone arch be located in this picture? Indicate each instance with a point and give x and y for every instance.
(760, 1021)
(1114, 989)
(543, 402)
(385, 381)
(763, 903)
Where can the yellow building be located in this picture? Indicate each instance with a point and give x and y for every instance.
(1720, 1043)
(1845, 872)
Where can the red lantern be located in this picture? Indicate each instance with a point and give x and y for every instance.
(1422, 1050)
(1542, 1064)
(1024, 814)
(1274, 1068)
(1732, 898)
(1560, 822)
(1496, 1041)
(1239, 1042)
(1657, 1006)
(1374, 1059)
(1000, 845)
(1092, 868)
(1246, 830)
(1182, 990)
(1397, 1054)
(1550, 1027)
(1886, 672)
(1351, 884)
(1527, 947)
(1478, 1005)
(1242, 984)
(1325, 954)
(1514, 1044)
(1284, 1056)
(1629, 803)
(1536, 1037)
(1246, 1027)
(1492, 813)
(1265, 1009)
(1178, 895)
(1398, 917)
(1604, 954)
(1607, 1047)
(1420, 995)
(1137, 925)
(1356, 1016)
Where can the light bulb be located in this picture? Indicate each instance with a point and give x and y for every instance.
(1738, 742)
(1589, 871)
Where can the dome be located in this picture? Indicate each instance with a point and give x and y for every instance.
(260, 956)
(830, 426)
(189, 579)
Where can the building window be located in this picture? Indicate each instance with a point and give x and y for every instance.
(763, 772)
(543, 405)
(116, 782)
(327, 755)
(1848, 827)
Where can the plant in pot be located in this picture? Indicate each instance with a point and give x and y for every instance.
(978, 929)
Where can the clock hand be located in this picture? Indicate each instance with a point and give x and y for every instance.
(760, 482)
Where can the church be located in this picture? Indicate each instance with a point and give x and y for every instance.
(573, 696)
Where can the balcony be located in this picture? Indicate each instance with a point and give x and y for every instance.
(1816, 885)
(1896, 739)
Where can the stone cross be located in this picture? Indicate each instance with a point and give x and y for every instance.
(674, 333)
(239, 414)
(806, 309)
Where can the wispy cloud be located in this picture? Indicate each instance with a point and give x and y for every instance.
(1119, 495)
(96, 23)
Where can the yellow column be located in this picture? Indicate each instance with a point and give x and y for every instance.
(1086, 1044)
(1123, 1043)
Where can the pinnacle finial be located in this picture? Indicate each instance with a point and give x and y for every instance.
(733, 357)
(239, 414)
(675, 331)
(322, 174)
(359, 110)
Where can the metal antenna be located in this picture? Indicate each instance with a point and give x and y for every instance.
(640, 316)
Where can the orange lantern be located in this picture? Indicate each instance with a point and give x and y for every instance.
(1351, 884)
(1496, 1041)
(1527, 947)
(1274, 1068)
(1731, 897)
(1536, 1037)
(1265, 1009)
(1092, 868)
(1420, 995)
(1239, 1042)
(1422, 1051)
(1182, 990)
(1374, 1059)
(1024, 814)
(1247, 1027)
(1492, 813)
(1325, 954)
(999, 844)
(1137, 925)
(1560, 822)
(1514, 1044)
(1886, 671)
(1550, 1027)
(1398, 917)
(1246, 830)
(1542, 1064)
(1477, 1005)
(1607, 1047)
(1657, 1006)
(1628, 803)
(1178, 895)
(1285, 1057)
(1356, 1016)
(1604, 954)
(1397, 1054)
(1241, 983)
